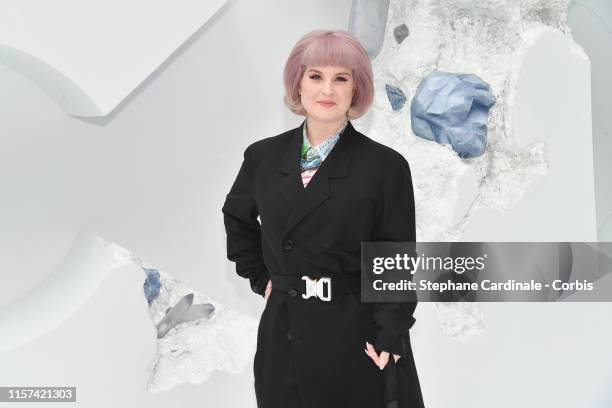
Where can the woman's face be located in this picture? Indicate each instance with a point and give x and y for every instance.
(326, 93)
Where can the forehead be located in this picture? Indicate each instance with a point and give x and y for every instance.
(329, 70)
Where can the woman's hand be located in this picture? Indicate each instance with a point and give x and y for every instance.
(268, 290)
(380, 360)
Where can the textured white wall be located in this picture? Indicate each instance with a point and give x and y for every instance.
(559, 206)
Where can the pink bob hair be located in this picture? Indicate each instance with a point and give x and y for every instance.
(329, 48)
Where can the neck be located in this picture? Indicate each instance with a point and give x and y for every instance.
(318, 131)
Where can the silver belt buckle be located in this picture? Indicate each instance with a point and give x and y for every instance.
(314, 287)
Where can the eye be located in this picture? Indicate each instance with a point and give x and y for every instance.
(317, 76)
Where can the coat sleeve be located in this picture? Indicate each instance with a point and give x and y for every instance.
(395, 222)
(243, 230)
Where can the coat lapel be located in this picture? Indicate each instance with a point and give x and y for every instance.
(336, 165)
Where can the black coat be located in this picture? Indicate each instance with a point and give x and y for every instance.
(310, 353)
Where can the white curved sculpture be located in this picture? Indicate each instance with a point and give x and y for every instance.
(602, 9)
(62, 293)
(189, 352)
(89, 56)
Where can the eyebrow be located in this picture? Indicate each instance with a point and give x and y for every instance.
(339, 73)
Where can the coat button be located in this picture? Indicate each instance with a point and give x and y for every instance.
(289, 336)
(288, 245)
(292, 292)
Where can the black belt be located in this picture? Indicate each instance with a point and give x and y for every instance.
(320, 287)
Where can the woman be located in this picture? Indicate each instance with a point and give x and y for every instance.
(320, 190)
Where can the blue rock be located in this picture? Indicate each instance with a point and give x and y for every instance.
(453, 109)
(152, 284)
(396, 97)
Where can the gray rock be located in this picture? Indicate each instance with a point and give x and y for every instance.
(184, 311)
(367, 23)
(197, 312)
(400, 33)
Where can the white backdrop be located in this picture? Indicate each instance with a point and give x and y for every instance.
(153, 175)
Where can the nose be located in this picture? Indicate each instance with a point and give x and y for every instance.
(327, 88)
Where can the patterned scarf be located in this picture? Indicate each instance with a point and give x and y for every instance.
(311, 157)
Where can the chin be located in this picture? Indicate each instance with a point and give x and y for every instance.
(326, 118)
(328, 115)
